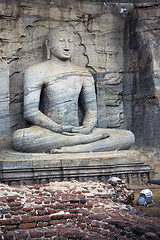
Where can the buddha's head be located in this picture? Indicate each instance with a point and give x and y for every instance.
(59, 43)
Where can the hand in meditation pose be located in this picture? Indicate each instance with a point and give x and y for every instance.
(57, 128)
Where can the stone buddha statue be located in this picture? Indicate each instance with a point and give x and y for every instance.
(57, 128)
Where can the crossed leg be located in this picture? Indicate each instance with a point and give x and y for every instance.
(117, 140)
(37, 139)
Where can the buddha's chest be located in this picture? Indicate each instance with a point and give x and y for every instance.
(64, 86)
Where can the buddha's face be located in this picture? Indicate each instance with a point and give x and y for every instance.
(61, 46)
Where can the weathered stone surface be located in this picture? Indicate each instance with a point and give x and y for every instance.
(127, 31)
(127, 84)
(4, 99)
(25, 26)
(65, 88)
(141, 80)
(20, 168)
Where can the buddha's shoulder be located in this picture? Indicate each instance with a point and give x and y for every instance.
(37, 68)
(82, 69)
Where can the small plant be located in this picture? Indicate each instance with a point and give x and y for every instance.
(6, 229)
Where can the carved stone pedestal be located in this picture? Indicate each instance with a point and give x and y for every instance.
(25, 168)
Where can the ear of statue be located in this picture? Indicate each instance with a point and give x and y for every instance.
(48, 50)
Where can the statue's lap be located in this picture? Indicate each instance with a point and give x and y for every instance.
(37, 139)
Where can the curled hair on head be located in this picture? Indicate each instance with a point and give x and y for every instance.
(54, 31)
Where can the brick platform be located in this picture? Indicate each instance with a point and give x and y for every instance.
(73, 210)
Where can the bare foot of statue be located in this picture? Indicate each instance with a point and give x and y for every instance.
(56, 129)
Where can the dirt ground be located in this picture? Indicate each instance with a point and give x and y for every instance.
(152, 210)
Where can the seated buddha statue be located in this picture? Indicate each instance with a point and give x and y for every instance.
(57, 128)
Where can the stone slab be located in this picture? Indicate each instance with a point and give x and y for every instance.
(29, 168)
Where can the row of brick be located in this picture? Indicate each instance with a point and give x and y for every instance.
(58, 233)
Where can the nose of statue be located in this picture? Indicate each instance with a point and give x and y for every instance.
(66, 46)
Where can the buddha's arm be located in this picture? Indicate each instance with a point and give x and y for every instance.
(32, 90)
(90, 106)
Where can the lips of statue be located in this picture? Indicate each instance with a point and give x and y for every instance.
(62, 46)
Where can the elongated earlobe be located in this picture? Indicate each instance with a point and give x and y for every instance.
(48, 50)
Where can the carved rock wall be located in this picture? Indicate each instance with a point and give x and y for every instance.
(4, 98)
(117, 43)
(98, 42)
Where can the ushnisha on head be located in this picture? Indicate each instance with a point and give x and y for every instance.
(59, 43)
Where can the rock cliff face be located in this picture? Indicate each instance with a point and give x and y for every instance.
(118, 43)
(142, 62)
